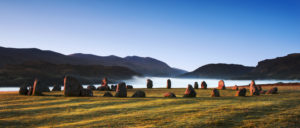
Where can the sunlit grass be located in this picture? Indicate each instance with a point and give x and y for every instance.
(54, 110)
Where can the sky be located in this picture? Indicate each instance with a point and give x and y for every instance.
(185, 34)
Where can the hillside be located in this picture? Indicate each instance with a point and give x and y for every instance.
(48, 73)
(224, 71)
(287, 67)
(143, 65)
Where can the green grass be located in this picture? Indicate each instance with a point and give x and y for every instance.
(55, 110)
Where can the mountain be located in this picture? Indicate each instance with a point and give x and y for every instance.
(48, 73)
(287, 67)
(143, 65)
(223, 71)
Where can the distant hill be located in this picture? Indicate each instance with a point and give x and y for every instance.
(143, 65)
(48, 73)
(223, 71)
(287, 67)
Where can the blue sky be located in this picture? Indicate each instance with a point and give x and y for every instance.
(183, 33)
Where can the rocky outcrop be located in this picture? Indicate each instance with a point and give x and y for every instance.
(203, 85)
(139, 93)
(169, 95)
(121, 90)
(149, 83)
(215, 93)
(190, 92)
(168, 84)
(72, 87)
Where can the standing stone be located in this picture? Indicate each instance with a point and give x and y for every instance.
(37, 89)
(235, 88)
(23, 90)
(215, 93)
(129, 87)
(56, 87)
(107, 94)
(86, 92)
(104, 82)
(91, 87)
(139, 93)
(168, 84)
(253, 89)
(169, 95)
(221, 85)
(190, 92)
(203, 85)
(273, 90)
(241, 92)
(149, 83)
(104, 85)
(72, 87)
(121, 90)
(196, 86)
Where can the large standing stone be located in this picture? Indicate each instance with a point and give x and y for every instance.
(253, 89)
(241, 92)
(86, 92)
(72, 87)
(168, 84)
(121, 90)
(169, 94)
(139, 93)
(56, 87)
(235, 87)
(107, 94)
(215, 93)
(37, 88)
(190, 92)
(196, 86)
(221, 85)
(23, 90)
(203, 85)
(91, 87)
(104, 85)
(129, 87)
(273, 90)
(149, 83)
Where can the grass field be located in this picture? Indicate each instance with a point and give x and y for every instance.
(54, 110)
